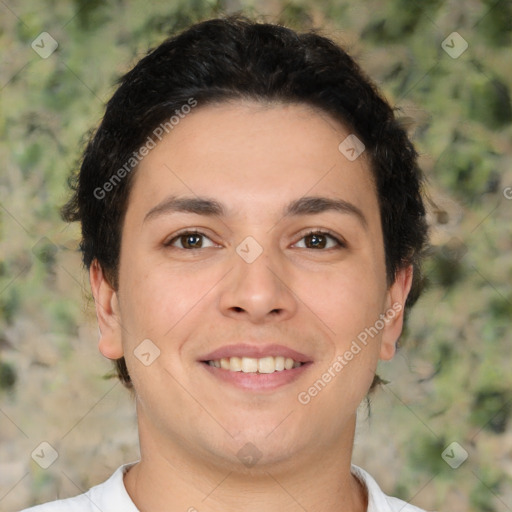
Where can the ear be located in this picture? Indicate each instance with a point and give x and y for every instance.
(107, 313)
(393, 316)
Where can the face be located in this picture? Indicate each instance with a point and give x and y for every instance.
(251, 242)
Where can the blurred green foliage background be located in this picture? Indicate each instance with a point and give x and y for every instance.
(451, 381)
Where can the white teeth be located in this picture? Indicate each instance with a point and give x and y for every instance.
(249, 365)
(235, 364)
(267, 364)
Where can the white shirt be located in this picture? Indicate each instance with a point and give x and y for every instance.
(111, 496)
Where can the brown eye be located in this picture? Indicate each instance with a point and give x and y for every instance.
(317, 241)
(320, 240)
(188, 240)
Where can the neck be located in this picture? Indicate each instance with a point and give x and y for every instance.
(170, 477)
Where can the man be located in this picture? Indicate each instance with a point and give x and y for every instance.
(253, 226)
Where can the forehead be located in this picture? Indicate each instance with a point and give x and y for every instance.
(251, 156)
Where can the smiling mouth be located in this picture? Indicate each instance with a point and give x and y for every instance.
(269, 364)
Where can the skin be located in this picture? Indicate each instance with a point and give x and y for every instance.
(254, 159)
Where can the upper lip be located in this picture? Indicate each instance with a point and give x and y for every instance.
(256, 351)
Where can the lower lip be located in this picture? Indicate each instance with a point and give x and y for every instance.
(257, 381)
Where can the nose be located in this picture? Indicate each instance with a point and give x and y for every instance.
(258, 291)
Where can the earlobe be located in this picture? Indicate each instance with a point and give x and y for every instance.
(107, 313)
(394, 314)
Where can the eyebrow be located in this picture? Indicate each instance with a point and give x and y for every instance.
(308, 205)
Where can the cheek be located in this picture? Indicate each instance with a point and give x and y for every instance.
(157, 300)
(348, 300)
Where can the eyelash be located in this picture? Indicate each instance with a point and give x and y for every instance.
(340, 243)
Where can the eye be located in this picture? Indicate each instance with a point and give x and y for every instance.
(195, 240)
(321, 239)
(189, 240)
